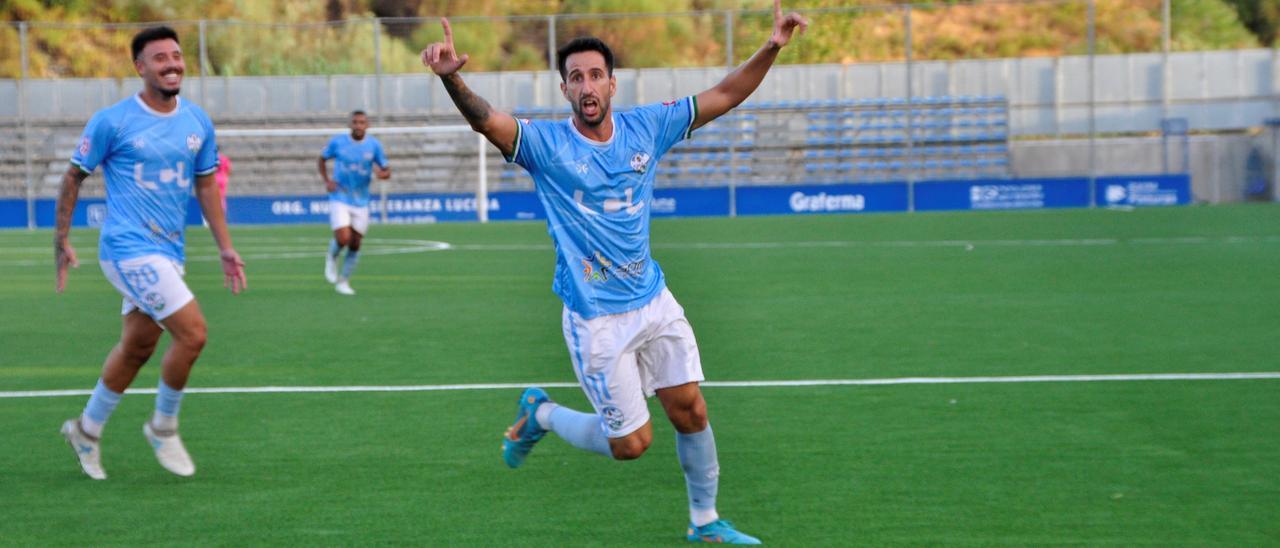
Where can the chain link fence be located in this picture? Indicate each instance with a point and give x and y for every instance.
(1089, 90)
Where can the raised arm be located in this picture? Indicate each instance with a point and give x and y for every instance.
(211, 205)
(498, 127)
(64, 256)
(743, 81)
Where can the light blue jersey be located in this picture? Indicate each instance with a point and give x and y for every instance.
(150, 161)
(597, 196)
(353, 167)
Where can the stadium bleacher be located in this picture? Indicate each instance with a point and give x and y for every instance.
(771, 142)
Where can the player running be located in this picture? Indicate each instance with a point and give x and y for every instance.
(627, 336)
(151, 147)
(356, 156)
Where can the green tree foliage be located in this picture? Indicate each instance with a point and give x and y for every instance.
(292, 37)
(1262, 17)
(1208, 24)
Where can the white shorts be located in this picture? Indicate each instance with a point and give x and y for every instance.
(342, 214)
(621, 359)
(150, 283)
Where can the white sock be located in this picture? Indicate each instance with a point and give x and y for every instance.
(91, 427)
(543, 414)
(164, 423)
(702, 517)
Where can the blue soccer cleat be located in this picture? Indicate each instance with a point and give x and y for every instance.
(525, 431)
(719, 532)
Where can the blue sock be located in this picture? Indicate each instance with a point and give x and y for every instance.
(697, 454)
(168, 400)
(581, 430)
(101, 404)
(334, 248)
(349, 264)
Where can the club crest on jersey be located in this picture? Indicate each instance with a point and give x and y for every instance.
(193, 142)
(640, 162)
(612, 417)
(84, 146)
(155, 301)
(368, 156)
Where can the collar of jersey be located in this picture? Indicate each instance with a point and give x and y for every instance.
(594, 142)
(147, 108)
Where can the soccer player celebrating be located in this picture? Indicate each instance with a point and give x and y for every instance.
(627, 336)
(150, 146)
(356, 156)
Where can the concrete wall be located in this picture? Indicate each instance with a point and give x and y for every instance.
(1215, 90)
(1217, 162)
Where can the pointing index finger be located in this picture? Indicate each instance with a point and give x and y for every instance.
(448, 31)
(777, 10)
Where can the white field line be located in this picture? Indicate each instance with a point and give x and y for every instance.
(710, 384)
(1061, 242)
(315, 248)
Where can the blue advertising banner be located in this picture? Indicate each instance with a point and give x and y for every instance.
(515, 206)
(1144, 190)
(1002, 194)
(89, 212)
(810, 199)
(13, 213)
(978, 194)
(401, 209)
(690, 202)
(667, 202)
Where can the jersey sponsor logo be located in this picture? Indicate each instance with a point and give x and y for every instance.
(84, 146)
(167, 176)
(590, 271)
(598, 268)
(610, 205)
(640, 162)
(193, 142)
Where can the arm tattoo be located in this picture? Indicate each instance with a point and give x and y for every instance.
(473, 107)
(67, 196)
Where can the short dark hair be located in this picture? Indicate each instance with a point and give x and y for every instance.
(149, 35)
(581, 44)
(358, 112)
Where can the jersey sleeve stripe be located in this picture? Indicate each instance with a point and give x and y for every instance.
(207, 171)
(693, 115)
(515, 150)
(81, 167)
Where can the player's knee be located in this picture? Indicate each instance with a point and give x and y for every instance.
(629, 449)
(194, 337)
(690, 418)
(632, 446)
(137, 353)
